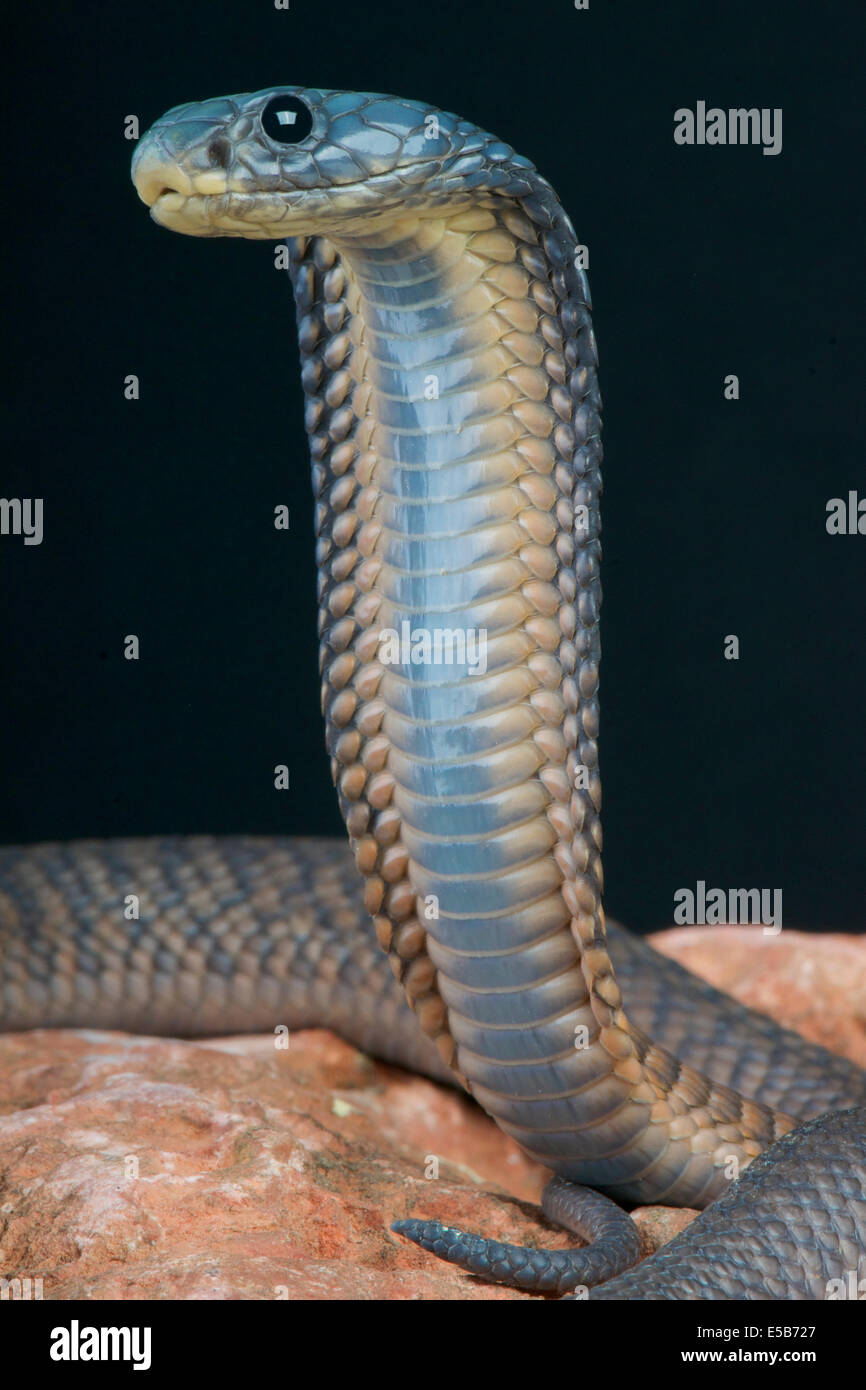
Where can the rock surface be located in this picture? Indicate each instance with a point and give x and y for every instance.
(813, 983)
(140, 1168)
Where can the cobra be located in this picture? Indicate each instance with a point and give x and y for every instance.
(453, 414)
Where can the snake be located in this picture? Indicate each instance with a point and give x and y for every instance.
(453, 415)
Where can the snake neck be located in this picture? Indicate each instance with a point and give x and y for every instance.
(457, 510)
(453, 415)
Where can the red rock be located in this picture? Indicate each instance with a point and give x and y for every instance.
(261, 1174)
(269, 1174)
(813, 983)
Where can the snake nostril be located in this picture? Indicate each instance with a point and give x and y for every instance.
(219, 153)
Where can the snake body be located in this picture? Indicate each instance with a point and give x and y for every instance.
(453, 415)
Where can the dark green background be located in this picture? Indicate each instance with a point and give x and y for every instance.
(158, 513)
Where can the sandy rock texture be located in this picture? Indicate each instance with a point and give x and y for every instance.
(239, 1168)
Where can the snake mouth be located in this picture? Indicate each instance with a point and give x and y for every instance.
(167, 200)
(263, 215)
(250, 215)
(209, 201)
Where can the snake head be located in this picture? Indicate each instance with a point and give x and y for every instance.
(293, 161)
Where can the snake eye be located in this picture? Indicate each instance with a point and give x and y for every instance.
(287, 120)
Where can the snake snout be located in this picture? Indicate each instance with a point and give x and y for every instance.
(154, 173)
(188, 158)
